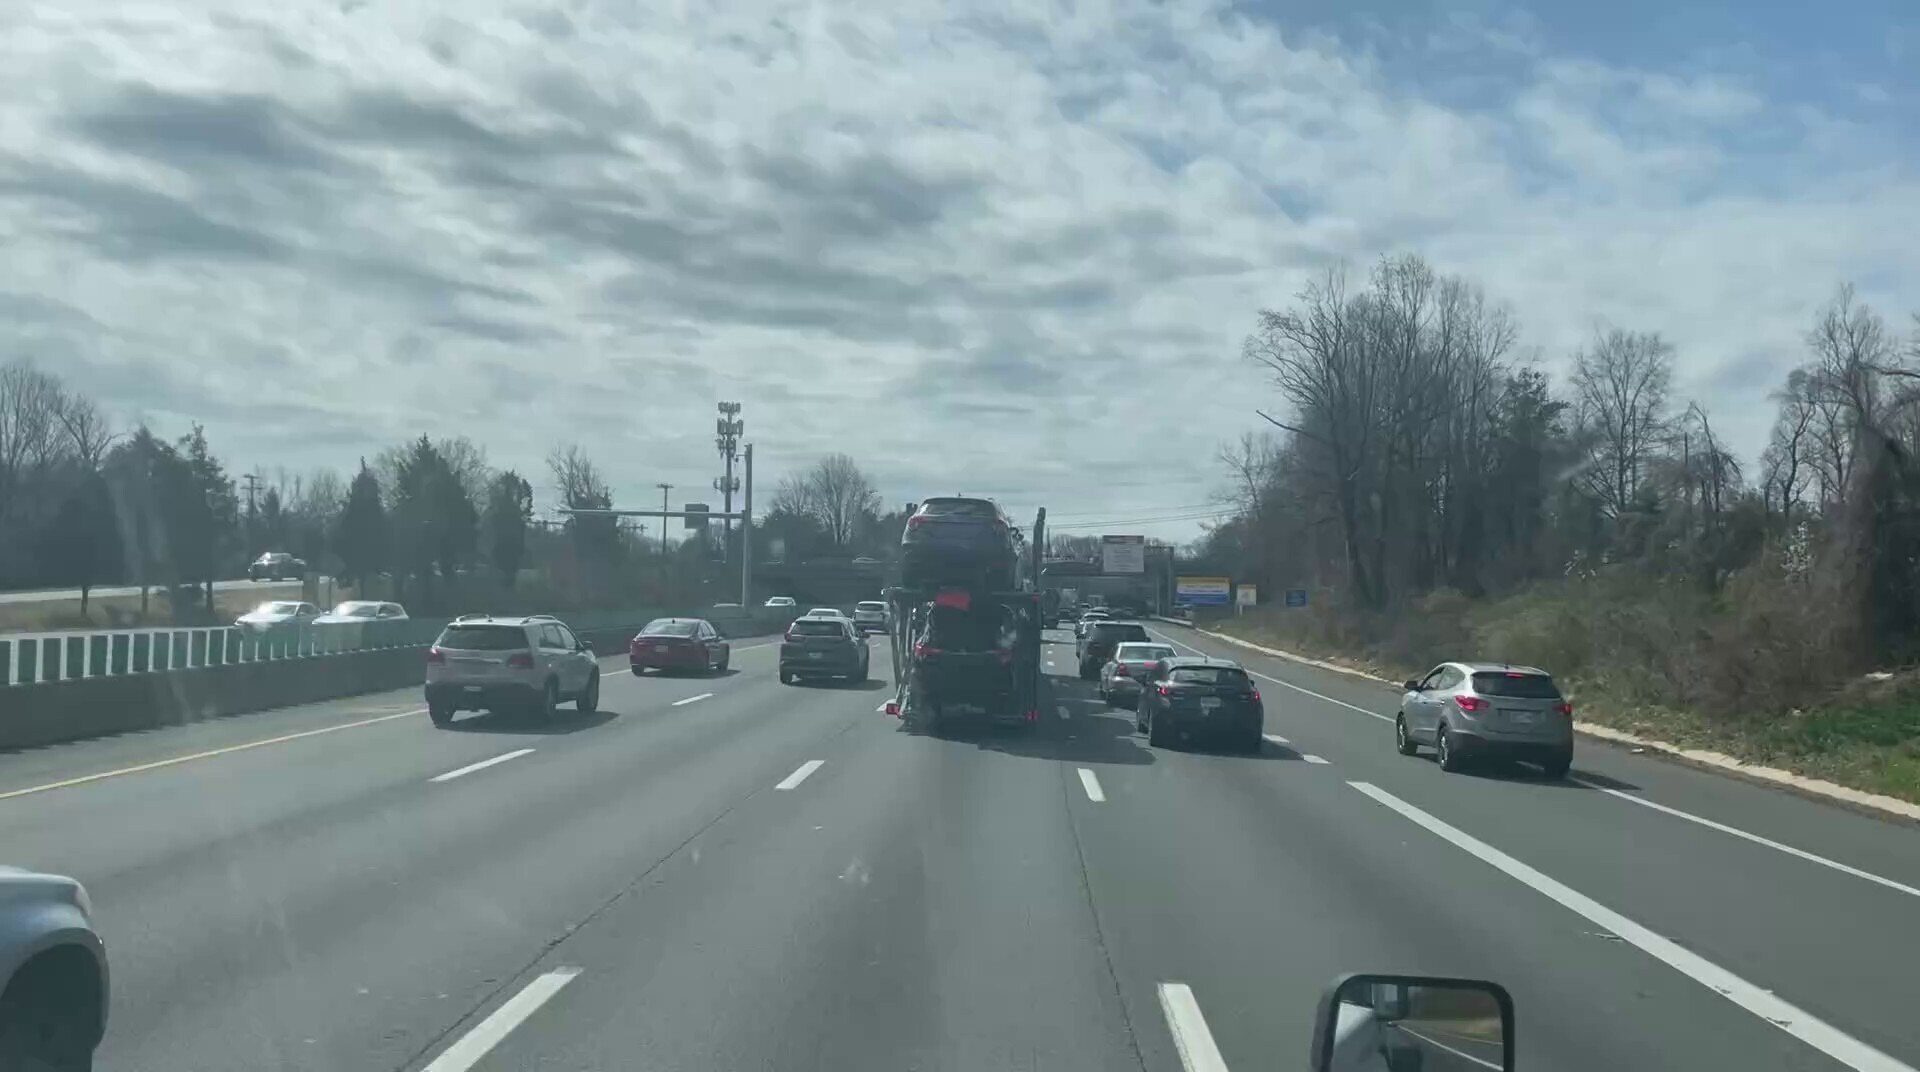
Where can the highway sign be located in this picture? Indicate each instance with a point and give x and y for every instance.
(1246, 595)
(1123, 554)
(1202, 591)
(1296, 597)
(696, 524)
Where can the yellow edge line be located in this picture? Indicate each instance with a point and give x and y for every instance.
(210, 753)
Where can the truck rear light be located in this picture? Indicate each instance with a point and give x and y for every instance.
(436, 656)
(893, 708)
(1471, 703)
(520, 660)
(924, 649)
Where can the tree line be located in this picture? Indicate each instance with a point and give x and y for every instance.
(1418, 448)
(428, 521)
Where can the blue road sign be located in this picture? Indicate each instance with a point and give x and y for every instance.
(1296, 597)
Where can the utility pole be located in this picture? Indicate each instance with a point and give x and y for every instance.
(664, 488)
(746, 536)
(727, 431)
(253, 485)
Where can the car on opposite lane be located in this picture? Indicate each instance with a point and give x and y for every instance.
(1097, 645)
(277, 615)
(667, 644)
(1200, 697)
(823, 647)
(870, 616)
(276, 566)
(1131, 664)
(484, 663)
(1468, 710)
(53, 974)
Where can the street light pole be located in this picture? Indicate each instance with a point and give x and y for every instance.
(746, 535)
(664, 488)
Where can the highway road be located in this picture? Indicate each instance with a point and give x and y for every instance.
(56, 595)
(724, 872)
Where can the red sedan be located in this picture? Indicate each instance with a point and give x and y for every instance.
(679, 644)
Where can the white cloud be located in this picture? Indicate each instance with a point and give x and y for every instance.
(958, 240)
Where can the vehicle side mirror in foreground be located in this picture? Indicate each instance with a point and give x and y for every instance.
(586, 645)
(1413, 1023)
(1411, 686)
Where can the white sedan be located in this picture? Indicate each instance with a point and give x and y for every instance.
(279, 614)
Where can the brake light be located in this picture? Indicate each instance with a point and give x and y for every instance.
(956, 600)
(435, 655)
(893, 708)
(1256, 695)
(520, 660)
(1564, 708)
(1166, 690)
(1471, 703)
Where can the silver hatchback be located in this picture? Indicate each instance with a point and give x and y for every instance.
(1492, 710)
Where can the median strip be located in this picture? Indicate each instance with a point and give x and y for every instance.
(480, 766)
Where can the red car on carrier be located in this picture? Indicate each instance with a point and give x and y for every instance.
(679, 644)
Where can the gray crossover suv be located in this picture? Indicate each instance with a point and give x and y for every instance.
(1469, 710)
(482, 663)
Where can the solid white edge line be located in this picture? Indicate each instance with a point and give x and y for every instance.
(1190, 1034)
(1675, 812)
(1091, 784)
(477, 1043)
(1787, 1017)
(693, 699)
(1755, 838)
(1311, 758)
(800, 773)
(1462, 1054)
(482, 765)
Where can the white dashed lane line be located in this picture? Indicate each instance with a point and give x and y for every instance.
(1276, 738)
(800, 774)
(1311, 758)
(1191, 1037)
(480, 766)
(693, 699)
(476, 1044)
(1091, 784)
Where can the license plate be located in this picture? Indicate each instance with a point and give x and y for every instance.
(473, 688)
(659, 649)
(814, 654)
(1209, 703)
(1521, 718)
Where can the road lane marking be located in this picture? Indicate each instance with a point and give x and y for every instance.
(208, 754)
(1755, 838)
(1644, 802)
(1462, 1054)
(480, 766)
(693, 699)
(1311, 758)
(1092, 785)
(475, 1044)
(1787, 1017)
(1190, 1035)
(882, 707)
(1276, 738)
(800, 774)
(1062, 709)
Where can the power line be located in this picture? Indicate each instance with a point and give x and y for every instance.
(1120, 522)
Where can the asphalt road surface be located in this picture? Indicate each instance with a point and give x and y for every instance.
(56, 595)
(723, 872)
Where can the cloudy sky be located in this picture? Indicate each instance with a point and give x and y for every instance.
(1005, 248)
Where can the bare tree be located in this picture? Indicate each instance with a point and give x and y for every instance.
(88, 434)
(577, 479)
(31, 403)
(1787, 463)
(843, 498)
(1620, 398)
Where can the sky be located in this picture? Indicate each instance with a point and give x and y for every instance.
(983, 247)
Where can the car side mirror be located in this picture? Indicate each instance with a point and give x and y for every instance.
(1412, 686)
(586, 645)
(1400, 1022)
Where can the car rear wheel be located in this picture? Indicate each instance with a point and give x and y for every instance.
(440, 711)
(1403, 743)
(1557, 765)
(549, 701)
(726, 659)
(786, 678)
(1157, 736)
(1444, 750)
(589, 701)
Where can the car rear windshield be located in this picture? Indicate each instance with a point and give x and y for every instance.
(1519, 686)
(1210, 675)
(870, 606)
(668, 627)
(1142, 653)
(959, 508)
(1119, 631)
(818, 627)
(483, 638)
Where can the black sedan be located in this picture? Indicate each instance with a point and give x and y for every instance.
(1192, 698)
(823, 647)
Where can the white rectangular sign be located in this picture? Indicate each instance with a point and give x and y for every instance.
(1123, 554)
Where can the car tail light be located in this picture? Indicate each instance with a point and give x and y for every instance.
(789, 633)
(1255, 693)
(893, 708)
(916, 521)
(1564, 708)
(520, 660)
(1166, 690)
(435, 655)
(1471, 703)
(924, 649)
(1033, 716)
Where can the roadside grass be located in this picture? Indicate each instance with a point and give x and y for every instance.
(1748, 673)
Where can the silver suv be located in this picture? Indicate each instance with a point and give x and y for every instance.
(482, 663)
(1468, 710)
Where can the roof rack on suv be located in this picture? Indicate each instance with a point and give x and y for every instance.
(542, 618)
(471, 617)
